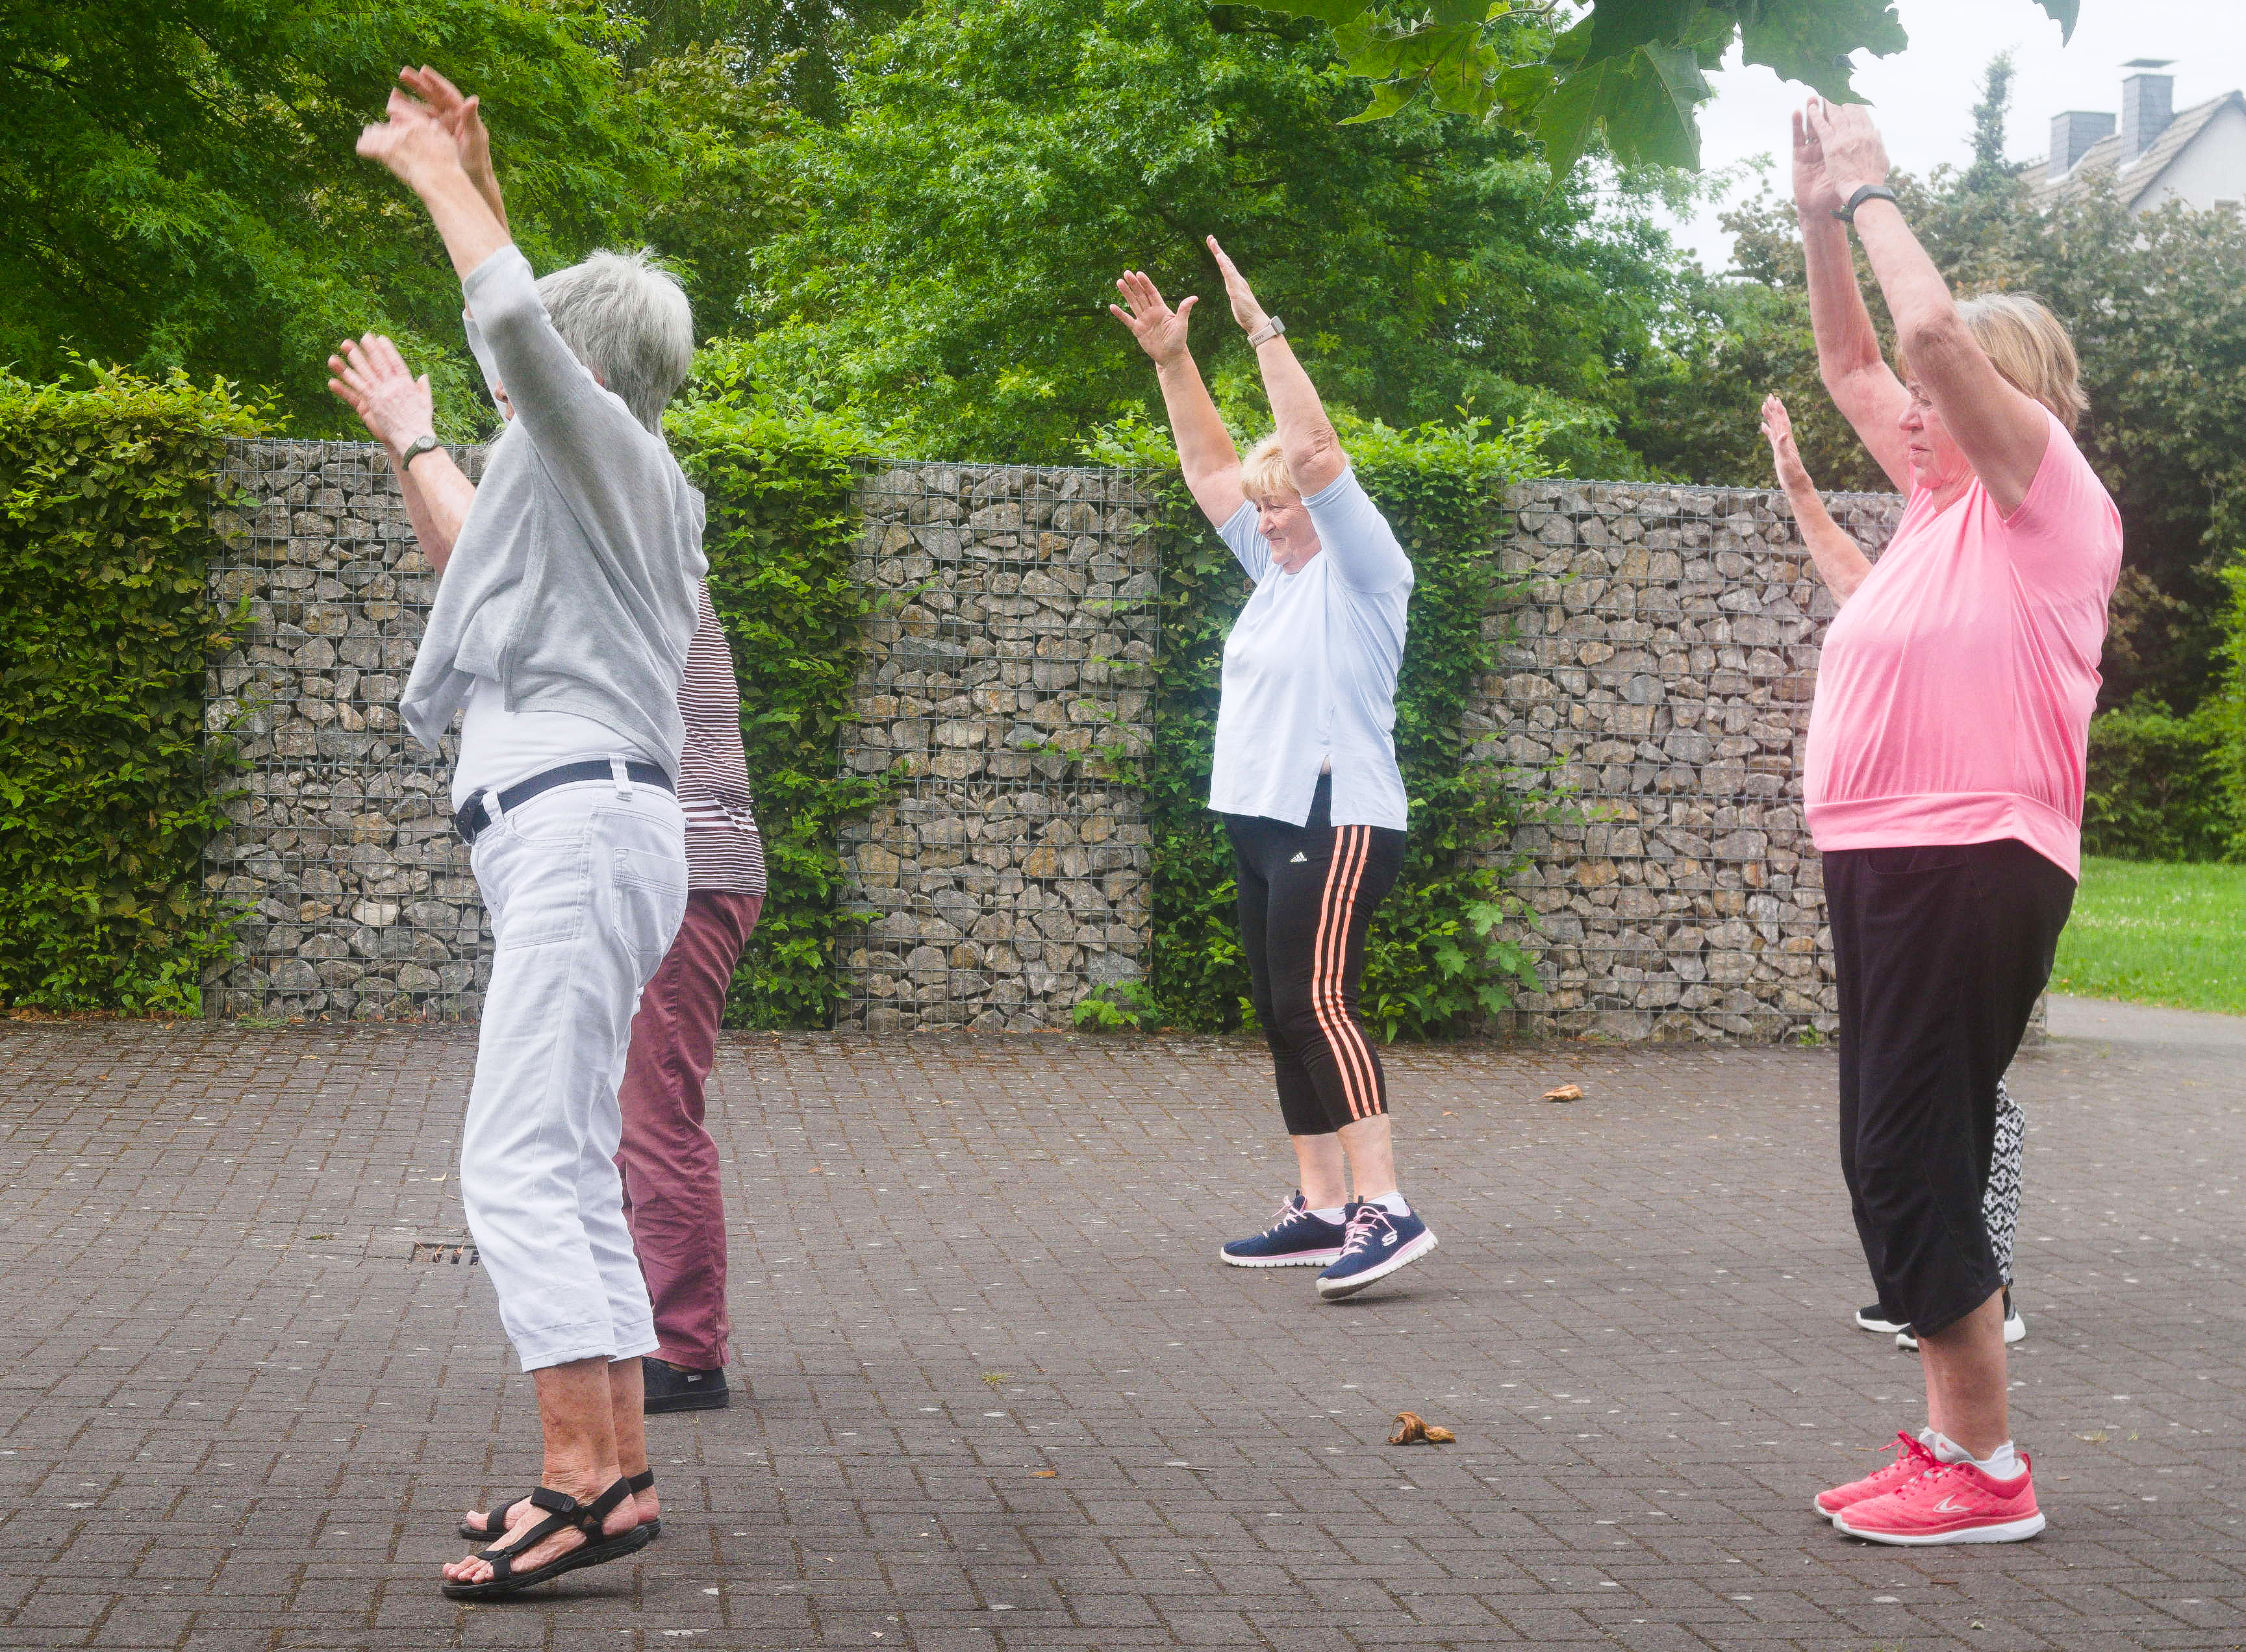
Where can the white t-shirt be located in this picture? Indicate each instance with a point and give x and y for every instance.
(1309, 670)
(499, 747)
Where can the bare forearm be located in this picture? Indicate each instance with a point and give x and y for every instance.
(1917, 296)
(438, 495)
(1314, 455)
(1841, 563)
(1206, 454)
(471, 231)
(1846, 341)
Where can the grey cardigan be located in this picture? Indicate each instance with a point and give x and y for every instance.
(573, 584)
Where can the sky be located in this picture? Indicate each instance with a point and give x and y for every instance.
(1924, 96)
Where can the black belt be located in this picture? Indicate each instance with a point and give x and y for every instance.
(473, 816)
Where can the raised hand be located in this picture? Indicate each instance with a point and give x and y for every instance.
(372, 377)
(1854, 153)
(1245, 309)
(1778, 431)
(463, 118)
(1813, 188)
(1159, 329)
(409, 140)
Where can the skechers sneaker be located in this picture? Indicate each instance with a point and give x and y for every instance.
(1375, 1246)
(2016, 1328)
(1950, 1503)
(1912, 1458)
(1298, 1237)
(1875, 1319)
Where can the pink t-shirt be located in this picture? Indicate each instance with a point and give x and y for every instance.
(1956, 689)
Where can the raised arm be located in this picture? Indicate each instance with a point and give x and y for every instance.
(1856, 374)
(1206, 454)
(397, 409)
(418, 148)
(2003, 432)
(1840, 562)
(1315, 459)
(463, 118)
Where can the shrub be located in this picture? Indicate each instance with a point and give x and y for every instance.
(108, 788)
(2156, 789)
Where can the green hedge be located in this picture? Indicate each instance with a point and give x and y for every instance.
(107, 788)
(2157, 787)
(782, 529)
(1437, 958)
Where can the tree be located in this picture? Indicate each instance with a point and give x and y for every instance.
(2158, 315)
(998, 165)
(1570, 71)
(178, 188)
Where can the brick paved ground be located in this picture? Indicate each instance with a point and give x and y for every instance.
(236, 1416)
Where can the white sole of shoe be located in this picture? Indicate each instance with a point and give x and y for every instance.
(2016, 1329)
(1403, 1258)
(1877, 1327)
(1310, 1259)
(2003, 1532)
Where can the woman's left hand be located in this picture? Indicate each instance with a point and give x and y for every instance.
(1854, 156)
(1245, 309)
(409, 141)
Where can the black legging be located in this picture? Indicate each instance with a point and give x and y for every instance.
(1306, 893)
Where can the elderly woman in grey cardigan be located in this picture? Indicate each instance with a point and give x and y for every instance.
(568, 599)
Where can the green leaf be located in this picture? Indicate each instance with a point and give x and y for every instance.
(1809, 41)
(2065, 11)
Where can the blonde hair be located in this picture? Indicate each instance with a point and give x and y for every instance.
(1263, 474)
(2029, 347)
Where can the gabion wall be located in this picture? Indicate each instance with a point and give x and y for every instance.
(1007, 874)
(1656, 678)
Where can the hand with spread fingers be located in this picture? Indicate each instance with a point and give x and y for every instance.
(462, 117)
(1245, 309)
(1159, 329)
(394, 405)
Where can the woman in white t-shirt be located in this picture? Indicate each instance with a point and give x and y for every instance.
(1304, 776)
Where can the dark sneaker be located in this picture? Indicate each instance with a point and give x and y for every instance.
(1298, 1237)
(680, 1388)
(1375, 1246)
(1875, 1319)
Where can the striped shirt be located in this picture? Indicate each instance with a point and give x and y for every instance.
(724, 850)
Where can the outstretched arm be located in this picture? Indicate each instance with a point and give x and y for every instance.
(1306, 436)
(463, 118)
(1839, 560)
(2003, 431)
(1856, 374)
(418, 149)
(1206, 454)
(396, 407)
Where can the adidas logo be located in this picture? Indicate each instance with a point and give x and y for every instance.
(1300, 860)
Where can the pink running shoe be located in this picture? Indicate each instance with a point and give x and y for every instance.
(1950, 1503)
(1912, 1460)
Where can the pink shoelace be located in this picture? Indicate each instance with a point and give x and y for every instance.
(1363, 1227)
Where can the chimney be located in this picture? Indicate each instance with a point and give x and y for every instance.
(2147, 106)
(2073, 136)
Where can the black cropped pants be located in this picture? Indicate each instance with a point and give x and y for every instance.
(1306, 893)
(1940, 954)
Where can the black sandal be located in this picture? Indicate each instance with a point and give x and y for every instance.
(498, 1516)
(562, 1511)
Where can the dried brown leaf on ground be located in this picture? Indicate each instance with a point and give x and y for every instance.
(1045, 1473)
(1414, 1430)
(1565, 1093)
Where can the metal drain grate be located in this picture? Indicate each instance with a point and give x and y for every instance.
(439, 1250)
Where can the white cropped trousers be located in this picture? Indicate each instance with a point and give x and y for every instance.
(586, 885)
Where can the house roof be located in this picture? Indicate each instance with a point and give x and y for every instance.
(2132, 180)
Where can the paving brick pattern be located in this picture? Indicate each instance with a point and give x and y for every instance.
(236, 1417)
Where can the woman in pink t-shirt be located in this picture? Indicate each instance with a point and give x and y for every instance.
(1943, 786)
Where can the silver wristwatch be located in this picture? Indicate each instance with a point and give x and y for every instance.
(414, 449)
(1271, 328)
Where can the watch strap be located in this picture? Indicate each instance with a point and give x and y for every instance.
(1870, 191)
(415, 448)
(1271, 328)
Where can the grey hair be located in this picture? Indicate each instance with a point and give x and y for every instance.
(626, 318)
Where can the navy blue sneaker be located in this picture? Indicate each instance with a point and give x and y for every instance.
(1298, 1237)
(1375, 1245)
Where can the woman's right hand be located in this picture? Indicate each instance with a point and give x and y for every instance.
(370, 375)
(1778, 431)
(1814, 194)
(462, 117)
(1159, 329)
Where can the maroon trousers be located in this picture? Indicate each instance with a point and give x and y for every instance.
(673, 1196)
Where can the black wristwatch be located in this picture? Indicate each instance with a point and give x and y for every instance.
(414, 449)
(1870, 191)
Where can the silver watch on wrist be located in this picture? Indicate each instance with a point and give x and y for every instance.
(414, 449)
(1271, 328)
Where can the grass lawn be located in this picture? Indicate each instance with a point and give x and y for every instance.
(2163, 934)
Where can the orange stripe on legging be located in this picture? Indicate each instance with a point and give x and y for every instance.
(1353, 1041)
(1329, 960)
